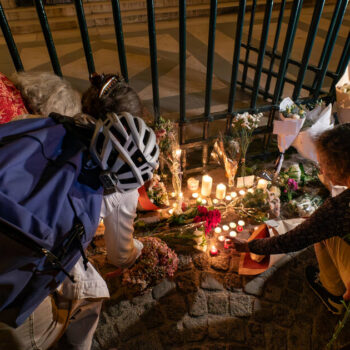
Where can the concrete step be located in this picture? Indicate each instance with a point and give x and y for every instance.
(62, 17)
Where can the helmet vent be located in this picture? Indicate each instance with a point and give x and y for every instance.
(145, 177)
(99, 143)
(118, 135)
(112, 158)
(130, 146)
(154, 151)
(146, 137)
(137, 124)
(125, 124)
(130, 180)
(138, 158)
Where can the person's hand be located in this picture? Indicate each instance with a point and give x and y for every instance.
(346, 295)
(240, 245)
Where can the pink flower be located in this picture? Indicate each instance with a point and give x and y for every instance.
(292, 184)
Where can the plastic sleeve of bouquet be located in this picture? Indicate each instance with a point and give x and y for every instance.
(119, 228)
(331, 219)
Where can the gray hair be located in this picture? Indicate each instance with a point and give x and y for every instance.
(45, 92)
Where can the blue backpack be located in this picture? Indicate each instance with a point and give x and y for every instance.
(50, 203)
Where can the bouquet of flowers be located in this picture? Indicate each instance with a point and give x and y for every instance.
(157, 192)
(157, 261)
(211, 218)
(242, 129)
(343, 97)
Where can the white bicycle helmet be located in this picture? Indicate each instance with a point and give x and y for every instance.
(126, 149)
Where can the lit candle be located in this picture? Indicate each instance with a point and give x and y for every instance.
(217, 230)
(174, 205)
(221, 238)
(241, 192)
(192, 184)
(173, 194)
(171, 211)
(241, 223)
(199, 200)
(215, 201)
(195, 195)
(207, 183)
(178, 153)
(256, 227)
(220, 191)
(204, 201)
(227, 243)
(250, 190)
(181, 195)
(225, 228)
(213, 251)
(233, 194)
(228, 198)
(232, 225)
(233, 233)
(239, 228)
(262, 184)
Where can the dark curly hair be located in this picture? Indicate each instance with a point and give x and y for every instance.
(110, 93)
(333, 147)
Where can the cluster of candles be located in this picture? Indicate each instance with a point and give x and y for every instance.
(230, 229)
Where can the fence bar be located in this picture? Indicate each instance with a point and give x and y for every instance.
(329, 52)
(274, 48)
(263, 41)
(118, 27)
(294, 16)
(328, 39)
(9, 41)
(182, 58)
(210, 56)
(249, 39)
(308, 47)
(84, 35)
(236, 55)
(48, 37)
(153, 53)
(343, 63)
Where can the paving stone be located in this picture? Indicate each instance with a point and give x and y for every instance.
(149, 341)
(275, 337)
(106, 333)
(255, 286)
(171, 334)
(273, 293)
(218, 303)
(255, 334)
(217, 347)
(197, 303)
(185, 262)
(143, 299)
(188, 282)
(299, 338)
(232, 281)
(217, 327)
(220, 263)
(201, 261)
(290, 299)
(163, 288)
(195, 329)
(263, 311)
(282, 316)
(238, 347)
(153, 317)
(295, 282)
(241, 305)
(175, 306)
(210, 281)
(236, 329)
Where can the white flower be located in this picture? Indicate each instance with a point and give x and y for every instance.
(294, 172)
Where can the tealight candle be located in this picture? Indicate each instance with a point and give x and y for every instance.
(173, 194)
(232, 225)
(217, 230)
(215, 201)
(241, 223)
(250, 190)
(220, 191)
(233, 194)
(195, 195)
(171, 211)
(239, 228)
(225, 228)
(213, 251)
(192, 184)
(174, 205)
(228, 198)
(207, 183)
(221, 238)
(226, 244)
(241, 192)
(204, 201)
(233, 233)
(262, 184)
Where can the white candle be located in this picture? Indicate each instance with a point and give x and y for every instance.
(173, 194)
(228, 198)
(241, 223)
(204, 201)
(195, 195)
(241, 192)
(225, 228)
(217, 230)
(250, 190)
(192, 184)
(233, 233)
(215, 201)
(220, 191)
(178, 153)
(171, 211)
(207, 183)
(232, 225)
(221, 238)
(233, 194)
(262, 184)
(181, 195)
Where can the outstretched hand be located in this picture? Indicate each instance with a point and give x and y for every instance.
(240, 245)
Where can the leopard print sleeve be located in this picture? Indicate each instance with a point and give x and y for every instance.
(331, 219)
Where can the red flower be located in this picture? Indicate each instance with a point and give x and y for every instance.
(211, 217)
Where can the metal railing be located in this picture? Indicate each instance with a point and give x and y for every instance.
(276, 69)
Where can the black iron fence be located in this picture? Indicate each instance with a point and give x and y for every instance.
(272, 62)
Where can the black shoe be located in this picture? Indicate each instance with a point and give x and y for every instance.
(333, 303)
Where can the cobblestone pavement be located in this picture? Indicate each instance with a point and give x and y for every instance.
(209, 306)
